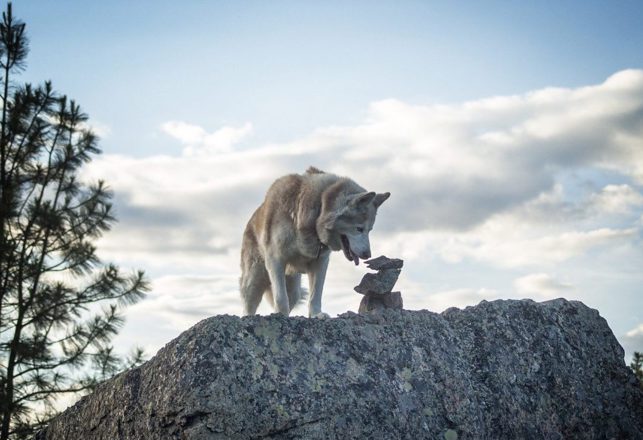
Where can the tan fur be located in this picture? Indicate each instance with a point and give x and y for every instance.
(293, 231)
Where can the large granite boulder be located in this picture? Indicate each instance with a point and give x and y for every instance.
(499, 370)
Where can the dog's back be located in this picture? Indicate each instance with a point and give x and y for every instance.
(291, 205)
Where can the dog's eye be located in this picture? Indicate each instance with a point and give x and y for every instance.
(360, 230)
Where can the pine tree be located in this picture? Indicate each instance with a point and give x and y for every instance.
(60, 306)
(637, 366)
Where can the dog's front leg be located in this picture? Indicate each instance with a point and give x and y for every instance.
(277, 273)
(316, 277)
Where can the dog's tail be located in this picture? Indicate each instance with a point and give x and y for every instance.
(295, 297)
(299, 296)
(296, 293)
(303, 295)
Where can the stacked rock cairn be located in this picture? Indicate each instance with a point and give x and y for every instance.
(377, 287)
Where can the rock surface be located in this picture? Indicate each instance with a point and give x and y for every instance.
(499, 370)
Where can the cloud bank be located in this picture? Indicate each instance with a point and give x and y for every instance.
(520, 184)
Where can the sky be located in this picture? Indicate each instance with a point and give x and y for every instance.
(509, 134)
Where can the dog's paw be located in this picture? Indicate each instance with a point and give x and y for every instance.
(320, 315)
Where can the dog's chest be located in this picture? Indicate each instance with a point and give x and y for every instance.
(304, 264)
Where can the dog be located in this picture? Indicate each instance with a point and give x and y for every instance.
(302, 219)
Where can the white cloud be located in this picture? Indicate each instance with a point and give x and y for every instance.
(441, 159)
(635, 332)
(504, 244)
(184, 132)
(185, 300)
(542, 286)
(198, 142)
(632, 341)
(101, 129)
(617, 199)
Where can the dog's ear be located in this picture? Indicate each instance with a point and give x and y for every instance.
(362, 198)
(329, 219)
(381, 198)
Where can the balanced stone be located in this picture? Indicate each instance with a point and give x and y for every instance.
(388, 270)
(391, 300)
(378, 283)
(383, 262)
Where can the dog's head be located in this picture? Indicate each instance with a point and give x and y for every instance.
(349, 224)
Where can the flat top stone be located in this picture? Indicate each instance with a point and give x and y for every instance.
(383, 262)
(379, 283)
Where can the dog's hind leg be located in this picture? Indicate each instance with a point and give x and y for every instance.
(253, 283)
(277, 273)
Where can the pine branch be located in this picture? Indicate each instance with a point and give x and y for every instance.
(47, 100)
(31, 396)
(97, 329)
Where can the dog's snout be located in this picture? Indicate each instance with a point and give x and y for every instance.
(365, 255)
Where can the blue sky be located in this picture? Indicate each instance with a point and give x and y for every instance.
(510, 135)
(290, 67)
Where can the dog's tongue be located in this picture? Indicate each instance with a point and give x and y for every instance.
(356, 259)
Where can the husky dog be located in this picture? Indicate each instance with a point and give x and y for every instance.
(302, 219)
